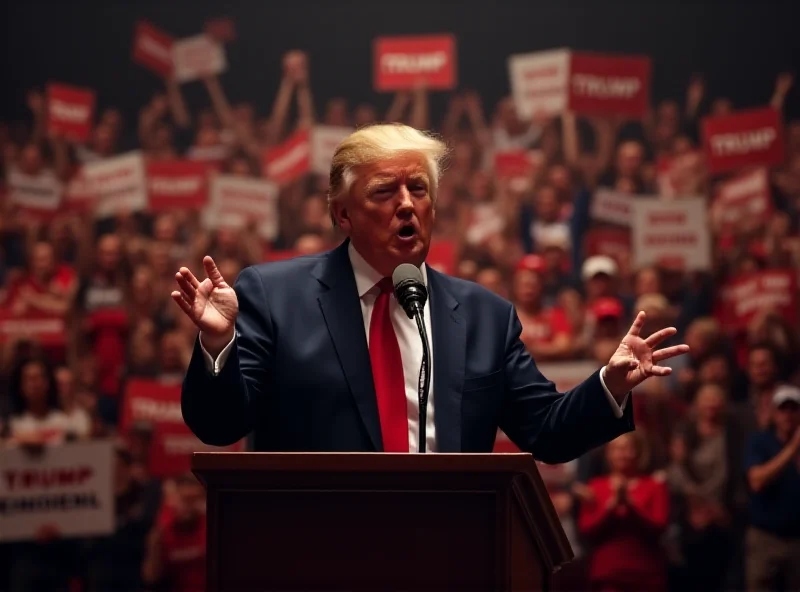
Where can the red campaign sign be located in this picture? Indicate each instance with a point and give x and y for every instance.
(746, 196)
(442, 256)
(746, 138)
(401, 63)
(152, 48)
(609, 84)
(70, 111)
(159, 404)
(48, 330)
(177, 184)
(612, 242)
(741, 299)
(221, 29)
(516, 164)
(289, 161)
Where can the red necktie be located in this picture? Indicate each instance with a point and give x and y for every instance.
(387, 373)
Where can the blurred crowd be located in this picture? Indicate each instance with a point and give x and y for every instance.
(703, 496)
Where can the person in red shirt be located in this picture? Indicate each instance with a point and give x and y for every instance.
(623, 519)
(546, 332)
(175, 557)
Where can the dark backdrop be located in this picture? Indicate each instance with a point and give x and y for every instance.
(739, 45)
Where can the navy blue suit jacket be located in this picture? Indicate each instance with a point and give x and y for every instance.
(299, 375)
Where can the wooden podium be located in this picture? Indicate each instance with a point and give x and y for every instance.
(378, 522)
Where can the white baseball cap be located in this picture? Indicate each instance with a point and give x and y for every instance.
(599, 264)
(784, 394)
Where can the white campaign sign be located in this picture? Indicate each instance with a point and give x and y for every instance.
(41, 192)
(611, 206)
(236, 200)
(539, 82)
(671, 231)
(69, 487)
(324, 140)
(118, 184)
(198, 56)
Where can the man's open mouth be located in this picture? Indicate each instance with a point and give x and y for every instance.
(407, 231)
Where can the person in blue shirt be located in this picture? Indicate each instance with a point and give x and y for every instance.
(772, 462)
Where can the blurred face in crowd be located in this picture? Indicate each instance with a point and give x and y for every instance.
(599, 286)
(388, 213)
(207, 137)
(527, 289)
(65, 383)
(604, 349)
(786, 418)
(648, 281)
(622, 455)
(244, 114)
(336, 112)
(721, 107)
(555, 259)
(162, 137)
(309, 244)
(142, 284)
(240, 167)
(34, 386)
(109, 253)
(229, 268)
(43, 261)
(30, 160)
(314, 214)
(207, 119)
(607, 327)
(560, 179)
(491, 279)
(625, 185)
(682, 145)
(160, 259)
(113, 119)
(165, 228)
(762, 368)
(171, 352)
(480, 186)
(463, 155)
(710, 403)
(700, 336)
(364, 115)
(227, 240)
(103, 140)
(508, 118)
(715, 369)
(467, 270)
(548, 207)
(630, 156)
(551, 141)
(190, 502)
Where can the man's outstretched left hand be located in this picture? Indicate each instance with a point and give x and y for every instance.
(636, 359)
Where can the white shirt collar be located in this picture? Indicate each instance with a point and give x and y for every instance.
(366, 276)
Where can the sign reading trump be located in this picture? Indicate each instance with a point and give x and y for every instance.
(67, 488)
(403, 63)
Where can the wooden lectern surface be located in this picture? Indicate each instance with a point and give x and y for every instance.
(339, 521)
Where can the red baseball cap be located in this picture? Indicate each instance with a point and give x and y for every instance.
(607, 307)
(532, 263)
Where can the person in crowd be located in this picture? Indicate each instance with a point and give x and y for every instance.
(773, 476)
(175, 551)
(623, 520)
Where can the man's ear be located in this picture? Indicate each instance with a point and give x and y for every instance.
(341, 217)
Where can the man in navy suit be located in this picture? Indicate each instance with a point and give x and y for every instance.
(315, 354)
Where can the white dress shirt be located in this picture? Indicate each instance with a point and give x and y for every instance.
(410, 350)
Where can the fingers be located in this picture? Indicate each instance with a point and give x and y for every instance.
(660, 371)
(212, 272)
(660, 336)
(669, 352)
(182, 302)
(188, 276)
(186, 286)
(638, 323)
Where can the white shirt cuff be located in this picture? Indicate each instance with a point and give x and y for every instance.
(215, 366)
(617, 408)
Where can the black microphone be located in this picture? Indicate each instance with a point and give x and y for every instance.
(411, 294)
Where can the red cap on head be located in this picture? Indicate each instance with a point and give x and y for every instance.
(607, 307)
(531, 263)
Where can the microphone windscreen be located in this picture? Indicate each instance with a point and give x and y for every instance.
(405, 272)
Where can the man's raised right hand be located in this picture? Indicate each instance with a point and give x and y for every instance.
(211, 304)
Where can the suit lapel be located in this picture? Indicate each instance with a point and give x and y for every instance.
(341, 308)
(449, 360)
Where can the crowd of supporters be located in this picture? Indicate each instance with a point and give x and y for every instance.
(703, 495)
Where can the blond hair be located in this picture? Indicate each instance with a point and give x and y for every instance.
(378, 142)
